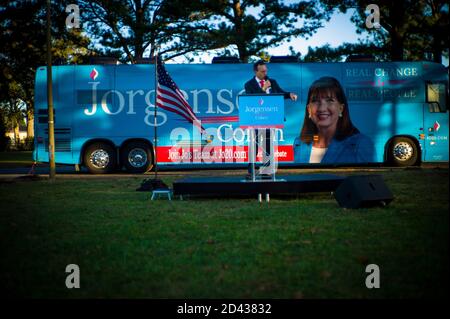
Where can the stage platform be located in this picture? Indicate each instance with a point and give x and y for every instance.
(237, 185)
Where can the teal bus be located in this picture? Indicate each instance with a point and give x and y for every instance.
(105, 114)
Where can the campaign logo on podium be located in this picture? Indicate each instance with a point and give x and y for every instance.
(261, 111)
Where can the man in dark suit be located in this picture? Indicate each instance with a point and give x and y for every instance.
(261, 84)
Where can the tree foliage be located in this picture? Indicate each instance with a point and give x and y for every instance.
(23, 38)
(129, 28)
(328, 54)
(410, 29)
(3, 138)
(254, 26)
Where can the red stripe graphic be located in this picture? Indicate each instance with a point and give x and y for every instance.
(216, 154)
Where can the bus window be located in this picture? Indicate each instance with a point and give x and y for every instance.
(436, 97)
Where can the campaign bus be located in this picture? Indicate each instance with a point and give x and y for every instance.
(104, 115)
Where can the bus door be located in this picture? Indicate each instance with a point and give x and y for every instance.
(436, 115)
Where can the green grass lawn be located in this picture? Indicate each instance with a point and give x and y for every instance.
(294, 247)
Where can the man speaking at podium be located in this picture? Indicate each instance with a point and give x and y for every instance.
(261, 84)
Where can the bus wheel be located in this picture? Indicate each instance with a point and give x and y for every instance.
(137, 157)
(402, 151)
(100, 158)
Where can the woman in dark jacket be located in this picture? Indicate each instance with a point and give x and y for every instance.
(328, 135)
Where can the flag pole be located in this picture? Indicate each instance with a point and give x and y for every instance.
(156, 106)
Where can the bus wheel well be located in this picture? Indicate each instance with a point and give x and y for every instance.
(396, 137)
(142, 140)
(137, 155)
(90, 142)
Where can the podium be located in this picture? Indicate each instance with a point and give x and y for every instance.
(261, 112)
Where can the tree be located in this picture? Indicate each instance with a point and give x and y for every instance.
(3, 138)
(409, 29)
(129, 28)
(328, 54)
(254, 26)
(429, 33)
(14, 114)
(23, 38)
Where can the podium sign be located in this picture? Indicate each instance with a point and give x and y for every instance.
(261, 110)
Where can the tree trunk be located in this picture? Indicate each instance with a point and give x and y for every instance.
(239, 28)
(139, 34)
(437, 47)
(397, 40)
(437, 54)
(16, 136)
(30, 123)
(242, 53)
(396, 47)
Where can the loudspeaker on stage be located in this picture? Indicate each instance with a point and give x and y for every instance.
(363, 191)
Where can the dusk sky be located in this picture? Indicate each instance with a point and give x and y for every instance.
(334, 32)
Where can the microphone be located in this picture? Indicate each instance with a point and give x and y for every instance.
(266, 78)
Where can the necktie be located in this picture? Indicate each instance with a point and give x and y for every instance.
(261, 83)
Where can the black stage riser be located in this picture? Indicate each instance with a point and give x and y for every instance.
(293, 184)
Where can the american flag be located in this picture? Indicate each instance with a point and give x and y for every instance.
(170, 98)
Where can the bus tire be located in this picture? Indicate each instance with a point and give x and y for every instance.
(402, 151)
(137, 157)
(100, 158)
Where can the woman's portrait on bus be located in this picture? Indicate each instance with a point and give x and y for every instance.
(328, 135)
